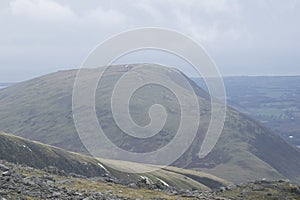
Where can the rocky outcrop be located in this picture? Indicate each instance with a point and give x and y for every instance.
(22, 182)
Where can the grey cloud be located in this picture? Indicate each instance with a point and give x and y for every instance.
(243, 37)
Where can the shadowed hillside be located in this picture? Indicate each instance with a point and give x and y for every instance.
(18, 150)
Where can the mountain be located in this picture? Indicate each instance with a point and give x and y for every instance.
(40, 156)
(41, 109)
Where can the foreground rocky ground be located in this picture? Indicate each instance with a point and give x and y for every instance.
(21, 182)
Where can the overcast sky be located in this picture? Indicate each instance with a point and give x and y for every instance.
(257, 37)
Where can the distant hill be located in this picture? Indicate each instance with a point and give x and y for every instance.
(18, 150)
(273, 100)
(40, 109)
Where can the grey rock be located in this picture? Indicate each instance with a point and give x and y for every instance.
(231, 187)
(6, 173)
(161, 185)
(56, 194)
(295, 190)
(244, 192)
(133, 185)
(223, 189)
(3, 168)
(257, 188)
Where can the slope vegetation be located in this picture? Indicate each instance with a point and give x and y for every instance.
(41, 109)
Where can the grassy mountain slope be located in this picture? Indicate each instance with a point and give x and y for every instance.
(40, 109)
(18, 150)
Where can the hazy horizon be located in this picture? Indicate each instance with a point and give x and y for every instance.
(224, 76)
